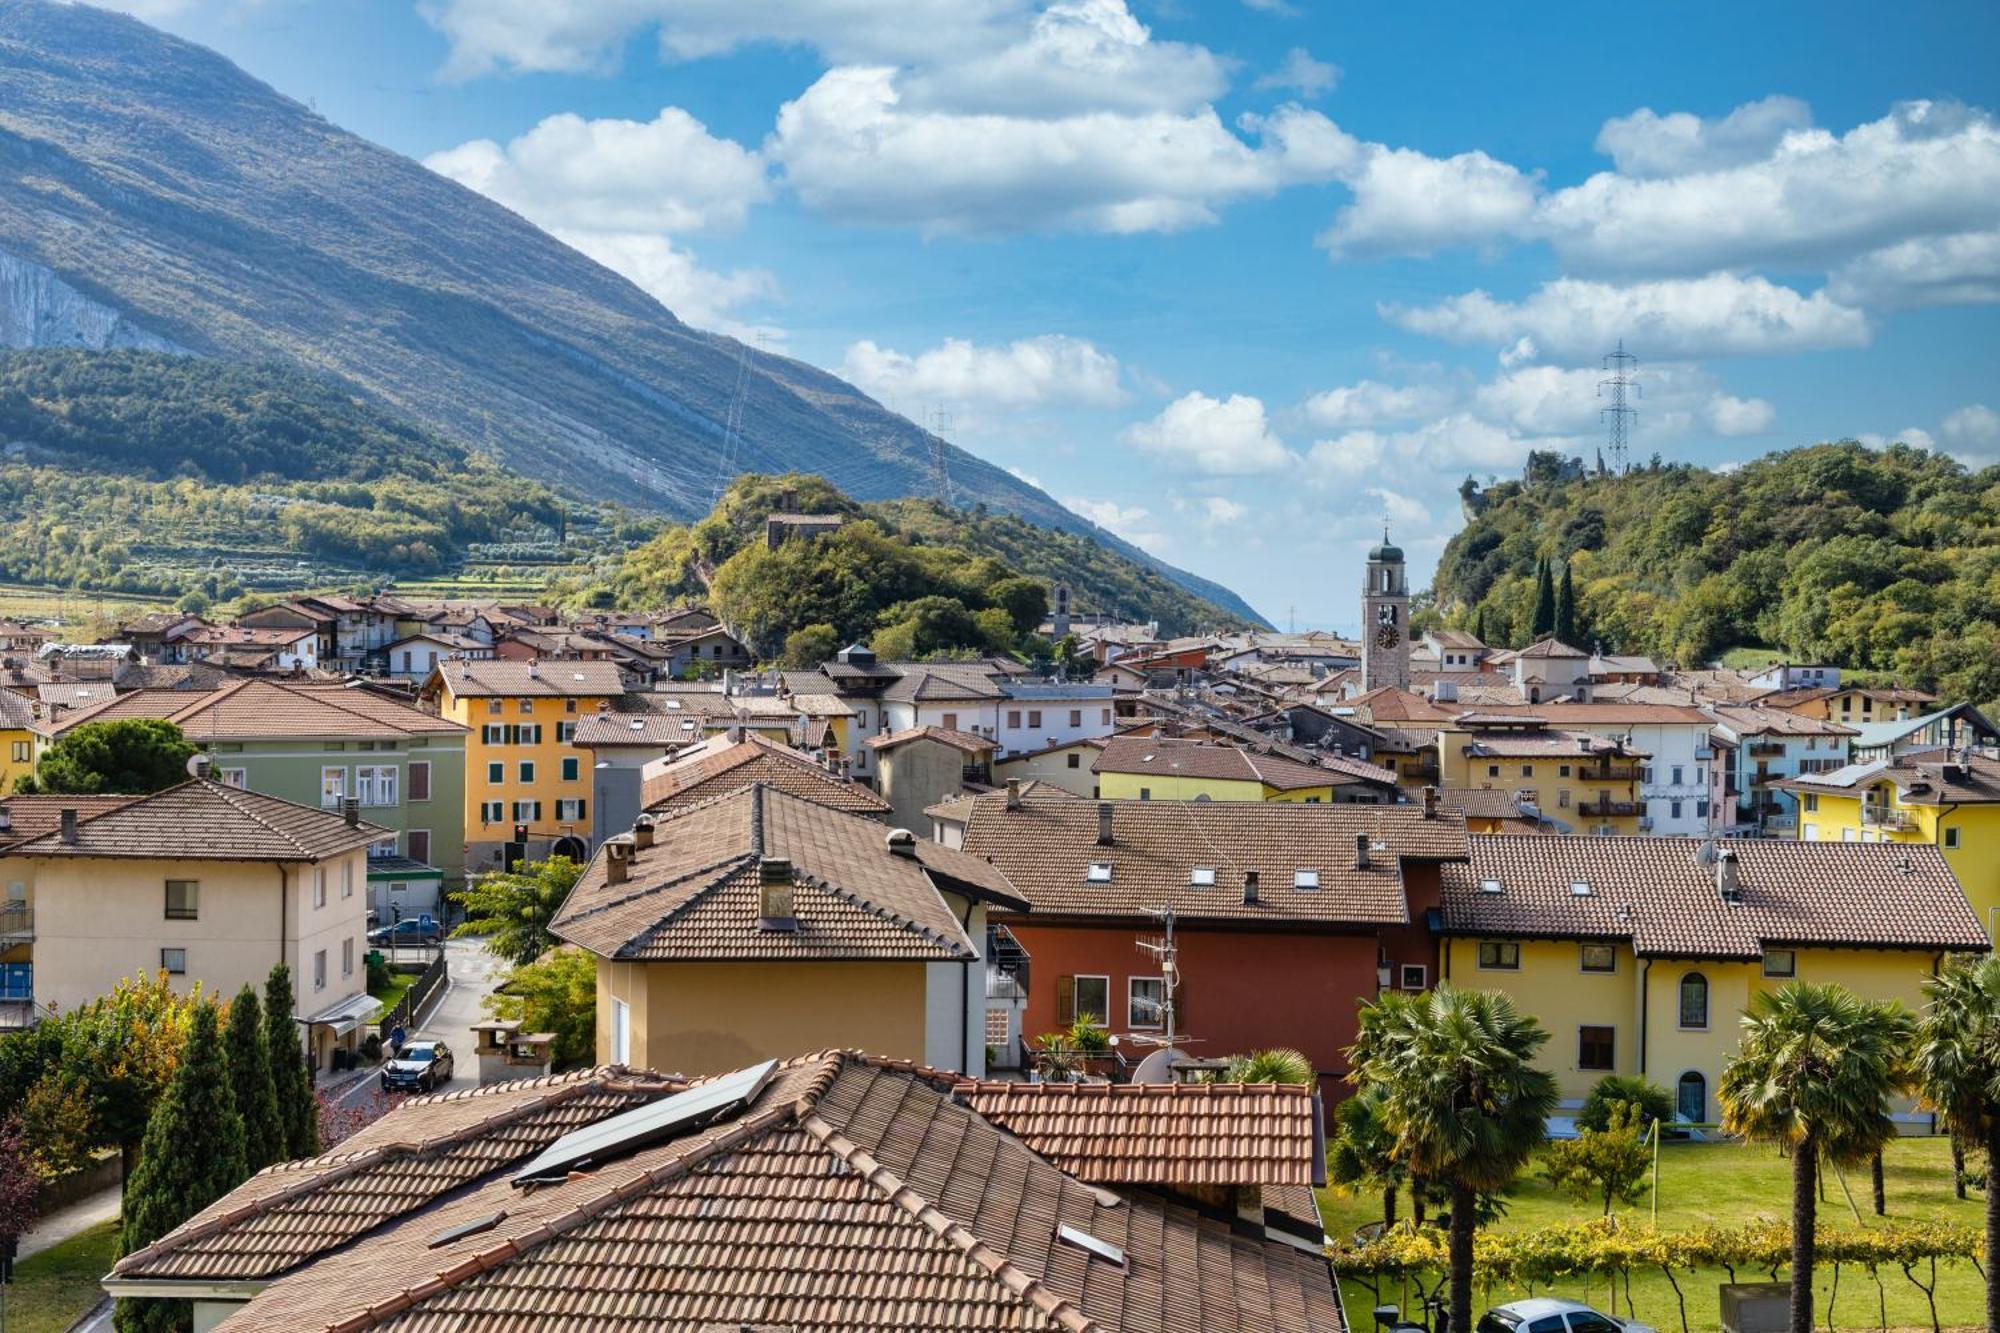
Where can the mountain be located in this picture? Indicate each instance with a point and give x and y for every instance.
(154, 196)
(1877, 559)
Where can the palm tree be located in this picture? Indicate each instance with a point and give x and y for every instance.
(1363, 1150)
(1814, 1075)
(1466, 1106)
(1957, 1067)
(1280, 1064)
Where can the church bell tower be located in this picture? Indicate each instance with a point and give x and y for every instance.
(1385, 619)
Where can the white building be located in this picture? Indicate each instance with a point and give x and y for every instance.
(1041, 717)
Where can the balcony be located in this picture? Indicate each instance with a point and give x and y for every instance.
(1602, 809)
(17, 924)
(1881, 816)
(1608, 773)
(1766, 749)
(1424, 772)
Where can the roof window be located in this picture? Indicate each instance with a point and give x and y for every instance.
(1099, 872)
(1091, 1245)
(1305, 879)
(1489, 886)
(1580, 887)
(1202, 877)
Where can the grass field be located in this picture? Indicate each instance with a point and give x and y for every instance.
(52, 1288)
(391, 995)
(1733, 1183)
(20, 602)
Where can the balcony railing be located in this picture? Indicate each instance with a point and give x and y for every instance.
(17, 1015)
(1881, 816)
(1608, 774)
(1608, 809)
(17, 922)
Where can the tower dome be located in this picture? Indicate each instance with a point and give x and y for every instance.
(1386, 551)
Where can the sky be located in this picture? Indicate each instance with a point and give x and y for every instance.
(1243, 280)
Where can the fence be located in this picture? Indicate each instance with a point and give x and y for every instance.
(416, 997)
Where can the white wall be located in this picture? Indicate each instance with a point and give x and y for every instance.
(952, 990)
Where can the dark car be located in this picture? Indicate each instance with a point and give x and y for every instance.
(419, 1067)
(410, 930)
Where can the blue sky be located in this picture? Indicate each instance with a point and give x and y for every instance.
(1238, 278)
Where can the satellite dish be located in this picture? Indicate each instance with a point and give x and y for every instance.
(1158, 1067)
(197, 764)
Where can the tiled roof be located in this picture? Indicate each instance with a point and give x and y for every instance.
(847, 1196)
(603, 731)
(821, 705)
(1609, 714)
(719, 766)
(19, 713)
(1761, 720)
(1454, 638)
(693, 895)
(1538, 743)
(1167, 757)
(30, 817)
(958, 740)
(1920, 779)
(1479, 802)
(928, 684)
(1386, 703)
(200, 820)
(255, 709)
(71, 694)
(472, 680)
(1546, 648)
(1163, 1133)
(1046, 849)
(1662, 894)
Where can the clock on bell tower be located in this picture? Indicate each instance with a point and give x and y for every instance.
(1385, 619)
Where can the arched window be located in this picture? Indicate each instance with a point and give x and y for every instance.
(1691, 1098)
(1694, 1000)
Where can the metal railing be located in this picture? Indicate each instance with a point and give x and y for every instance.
(17, 921)
(416, 997)
(1884, 817)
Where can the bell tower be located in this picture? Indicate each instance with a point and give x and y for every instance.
(1385, 619)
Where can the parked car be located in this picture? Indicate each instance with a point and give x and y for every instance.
(419, 1067)
(1547, 1315)
(410, 930)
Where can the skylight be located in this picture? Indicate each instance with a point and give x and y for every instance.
(1099, 872)
(1305, 879)
(632, 1130)
(1091, 1245)
(464, 1229)
(1202, 877)
(1580, 887)
(1489, 886)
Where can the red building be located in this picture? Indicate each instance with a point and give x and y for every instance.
(1285, 916)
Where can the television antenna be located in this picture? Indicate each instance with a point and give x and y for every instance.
(1168, 953)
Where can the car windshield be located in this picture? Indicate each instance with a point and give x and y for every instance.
(1498, 1321)
(422, 1055)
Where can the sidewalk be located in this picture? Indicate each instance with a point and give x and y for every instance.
(80, 1216)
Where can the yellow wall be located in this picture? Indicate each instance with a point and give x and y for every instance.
(1053, 768)
(706, 1018)
(1544, 776)
(19, 749)
(1175, 787)
(1975, 861)
(548, 787)
(1552, 986)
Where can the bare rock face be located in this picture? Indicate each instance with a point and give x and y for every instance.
(38, 309)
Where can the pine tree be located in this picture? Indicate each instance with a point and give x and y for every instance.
(264, 1140)
(298, 1113)
(192, 1155)
(1544, 623)
(1566, 608)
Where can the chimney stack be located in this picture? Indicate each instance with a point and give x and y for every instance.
(774, 893)
(1361, 861)
(1430, 803)
(902, 842)
(201, 767)
(69, 825)
(617, 860)
(642, 832)
(350, 809)
(1013, 793)
(1726, 882)
(1104, 824)
(1249, 887)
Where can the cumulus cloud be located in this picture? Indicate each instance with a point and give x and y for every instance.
(1647, 144)
(1407, 202)
(1454, 443)
(1217, 436)
(702, 297)
(1373, 403)
(1973, 434)
(1132, 522)
(1220, 511)
(1722, 314)
(1932, 270)
(1298, 72)
(1047, 371)
(667, 174)
(1726, 414)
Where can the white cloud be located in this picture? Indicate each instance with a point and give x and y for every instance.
(1718, 315)
(1647, 144)
(1567, 400)
(1283, 8)
(1932, 270)
(1372, 403)
(1050, 370)
(667, 174)
(1409, 203)
(1028, 477)
(850, 147)
(1219, 511)
(1132, 522)
(1302, 74)
(1726, 414)
(1914, 436)
(701, 297)
(1456, 443)
(1220, 437)
(1973, 434)
(1400, 510)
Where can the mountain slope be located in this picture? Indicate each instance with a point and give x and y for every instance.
(153, 195)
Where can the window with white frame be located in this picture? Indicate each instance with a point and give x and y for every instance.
(570, 811)
(319, 886)
(621, 1033)
(235, 777)
(527, 770)
(347, 878)
(319, 970)
(1145, 1002)
(347, 958)
(332, 788)
(492, 812)
(376, 784)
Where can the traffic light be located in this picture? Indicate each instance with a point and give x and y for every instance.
(520, 833)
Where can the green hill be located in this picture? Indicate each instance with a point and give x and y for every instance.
(1883, 559)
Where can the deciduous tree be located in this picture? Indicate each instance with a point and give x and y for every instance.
(556, 993)
(128, 756)
(513, 908)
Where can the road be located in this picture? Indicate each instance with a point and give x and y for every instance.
(474, 974)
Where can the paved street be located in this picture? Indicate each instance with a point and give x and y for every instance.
(474, 974)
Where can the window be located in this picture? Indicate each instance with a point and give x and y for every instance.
(1677, 775)
(332, 788)
(1701, 809)
(1013, 717)
(569, 706)
(527, 770)
(1493, 770)
(1594, 1047)
(1812, 803)
(1145, 793)
(183, 899)
(1781, 963)
(1107, 717)
(1499, 956)
(420, 845)
(1950, 839)
(1415, 976)
(1076, 717)
(527, 707)
(1597, 958)
(1076, 761)
(950, 721)
(571, 811)
(621, 1032)
(565, 731)
(492, 812)
(1562, 799)
(1527, 770)
(375, 784)
(319, 970)
(496, 772)
(347, 958)
(493, 707)
(1562, 770)
(174, 962)
(420, 779)
(21, 752)
(1098, 873)
(527, 812)
(1694, 1000)
(1675, 808)
(1083, 997)
(1303, 878)
(1034, 718)
(1202, 877)
(1145, 1002)
(319, 886)
(572, 768)
(235, 777)
(493, 734)
(347, 879)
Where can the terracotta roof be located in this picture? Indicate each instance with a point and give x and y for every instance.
(255, 709)
(1663, 896)
(1163, 1133)
(958, 740)
(1538, 742)
(927, 683)
(719, 766)
(845, 1195)
(30, 817)
(1764, 720)
(604, 731)
(1920, 779)
(70, 694)
(1168, 757)
(1608, 714)
(20, 713)
(1386, 703)
(694, 894)
(820, 705)
(1480, 803)
(1454, 638)
(473, 680)
(1048, 846)
(202, 820)
(1544, 648)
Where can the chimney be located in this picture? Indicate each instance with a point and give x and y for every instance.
(901, 842)
(69, 826)
(1013, 793)
(774, 893)
(617, 860)
(1430, 803)
(201, 767)
(1361, 851)
(1249, 887)
(1104, 823)
(350, 810)
(1726, 882)
(642, 832)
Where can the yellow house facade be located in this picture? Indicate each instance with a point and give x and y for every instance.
(1575, 781)
(1639, 955)
(528, 790)
(1161, 768)
(20, 740)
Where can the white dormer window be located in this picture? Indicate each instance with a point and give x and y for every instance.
(1305, 879)
(1099, 872)
(1202, 877)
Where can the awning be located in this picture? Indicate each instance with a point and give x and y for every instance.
(346, 1015)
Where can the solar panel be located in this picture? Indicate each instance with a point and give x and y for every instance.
(632, 1130)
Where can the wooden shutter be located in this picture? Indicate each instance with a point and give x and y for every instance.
(420, 780)
(1065, 1001)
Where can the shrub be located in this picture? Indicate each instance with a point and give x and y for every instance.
(1653, 1102)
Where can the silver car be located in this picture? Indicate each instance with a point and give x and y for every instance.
(1545, 1314)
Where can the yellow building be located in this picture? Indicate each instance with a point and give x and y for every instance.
(20, 741)
(1953, 806)
(1638, 955)
(762, 922)
(527, 789)
(1572, 781)
(1161, 768)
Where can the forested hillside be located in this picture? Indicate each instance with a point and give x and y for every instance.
(912, 576)
(1885, 559)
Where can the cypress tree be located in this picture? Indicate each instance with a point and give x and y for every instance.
(264, 1140)
(1479, 625)
(191, 1156)
(1544, 623)
(1566, 609)
(298, 1113)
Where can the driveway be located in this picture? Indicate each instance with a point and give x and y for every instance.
(474, 974)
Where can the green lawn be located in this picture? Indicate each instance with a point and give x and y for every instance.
(391, 995)
(52, 1288)
(1735, 1183)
